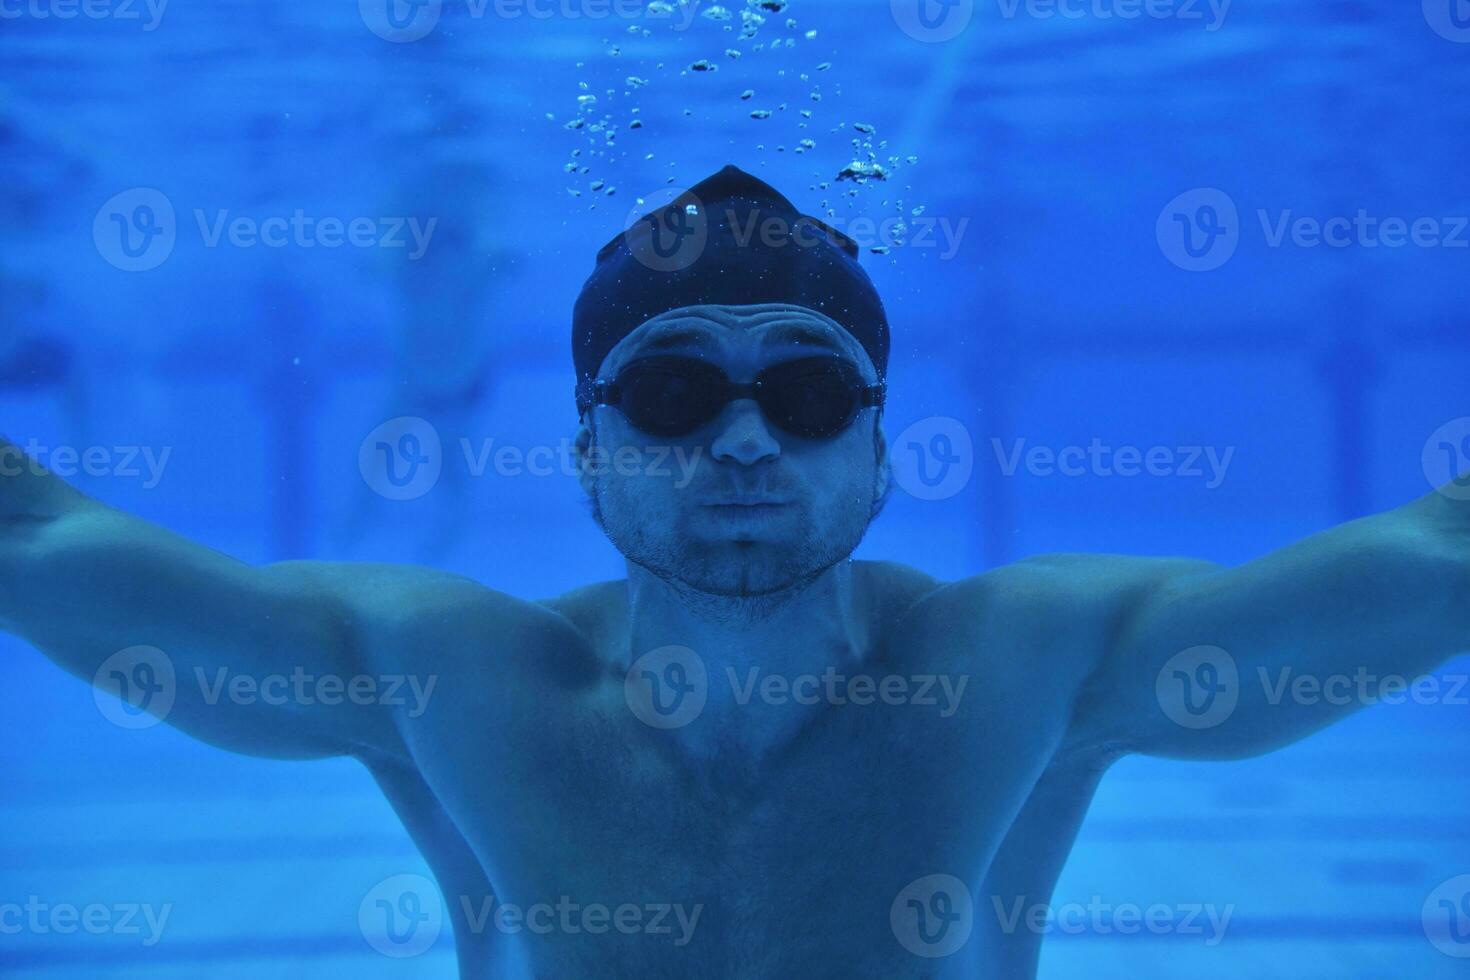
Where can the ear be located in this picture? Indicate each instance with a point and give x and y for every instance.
(582, 446)
(882, 479)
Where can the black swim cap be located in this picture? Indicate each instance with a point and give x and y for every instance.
(730, 239)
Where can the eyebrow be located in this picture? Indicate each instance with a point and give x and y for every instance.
(675, 338)
(797, 334)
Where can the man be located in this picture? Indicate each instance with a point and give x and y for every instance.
(814, 766)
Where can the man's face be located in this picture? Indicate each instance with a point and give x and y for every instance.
(761, 510)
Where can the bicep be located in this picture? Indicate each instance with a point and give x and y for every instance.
(251, 659)
(1221, 662)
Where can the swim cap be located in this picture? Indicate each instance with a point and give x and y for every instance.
(730, 239)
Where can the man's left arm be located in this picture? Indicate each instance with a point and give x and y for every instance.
(1203, 661)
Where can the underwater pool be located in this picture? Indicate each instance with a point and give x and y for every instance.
(1167, 279)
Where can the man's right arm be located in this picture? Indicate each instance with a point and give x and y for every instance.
(249, 647)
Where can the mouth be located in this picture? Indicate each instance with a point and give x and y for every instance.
(747, 503)
(738, 507)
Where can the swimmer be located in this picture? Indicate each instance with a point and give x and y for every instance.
(775, 744)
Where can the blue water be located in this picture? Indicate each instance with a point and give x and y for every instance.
(1068, 156)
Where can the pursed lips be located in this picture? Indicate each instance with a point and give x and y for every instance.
(745, 501)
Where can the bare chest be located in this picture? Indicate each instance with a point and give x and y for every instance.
(698, 851)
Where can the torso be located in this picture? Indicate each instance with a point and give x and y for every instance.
(535, 782)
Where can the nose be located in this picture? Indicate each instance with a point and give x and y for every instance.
(744, 435)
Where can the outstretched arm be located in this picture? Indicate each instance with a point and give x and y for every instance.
(1203, 661)
(82, 581)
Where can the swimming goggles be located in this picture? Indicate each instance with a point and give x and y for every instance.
(673, 395)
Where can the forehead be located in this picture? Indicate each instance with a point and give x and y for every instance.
(714, 330)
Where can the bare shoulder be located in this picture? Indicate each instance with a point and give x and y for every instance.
(1101, 578)
(407, 614)
(1060, 607)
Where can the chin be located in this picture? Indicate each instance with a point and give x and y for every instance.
(747, 569)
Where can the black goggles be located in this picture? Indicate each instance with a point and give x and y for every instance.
(672, 395)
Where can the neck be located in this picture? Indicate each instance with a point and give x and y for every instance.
(801, 629)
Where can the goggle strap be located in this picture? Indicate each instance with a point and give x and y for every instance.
(607, 392)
